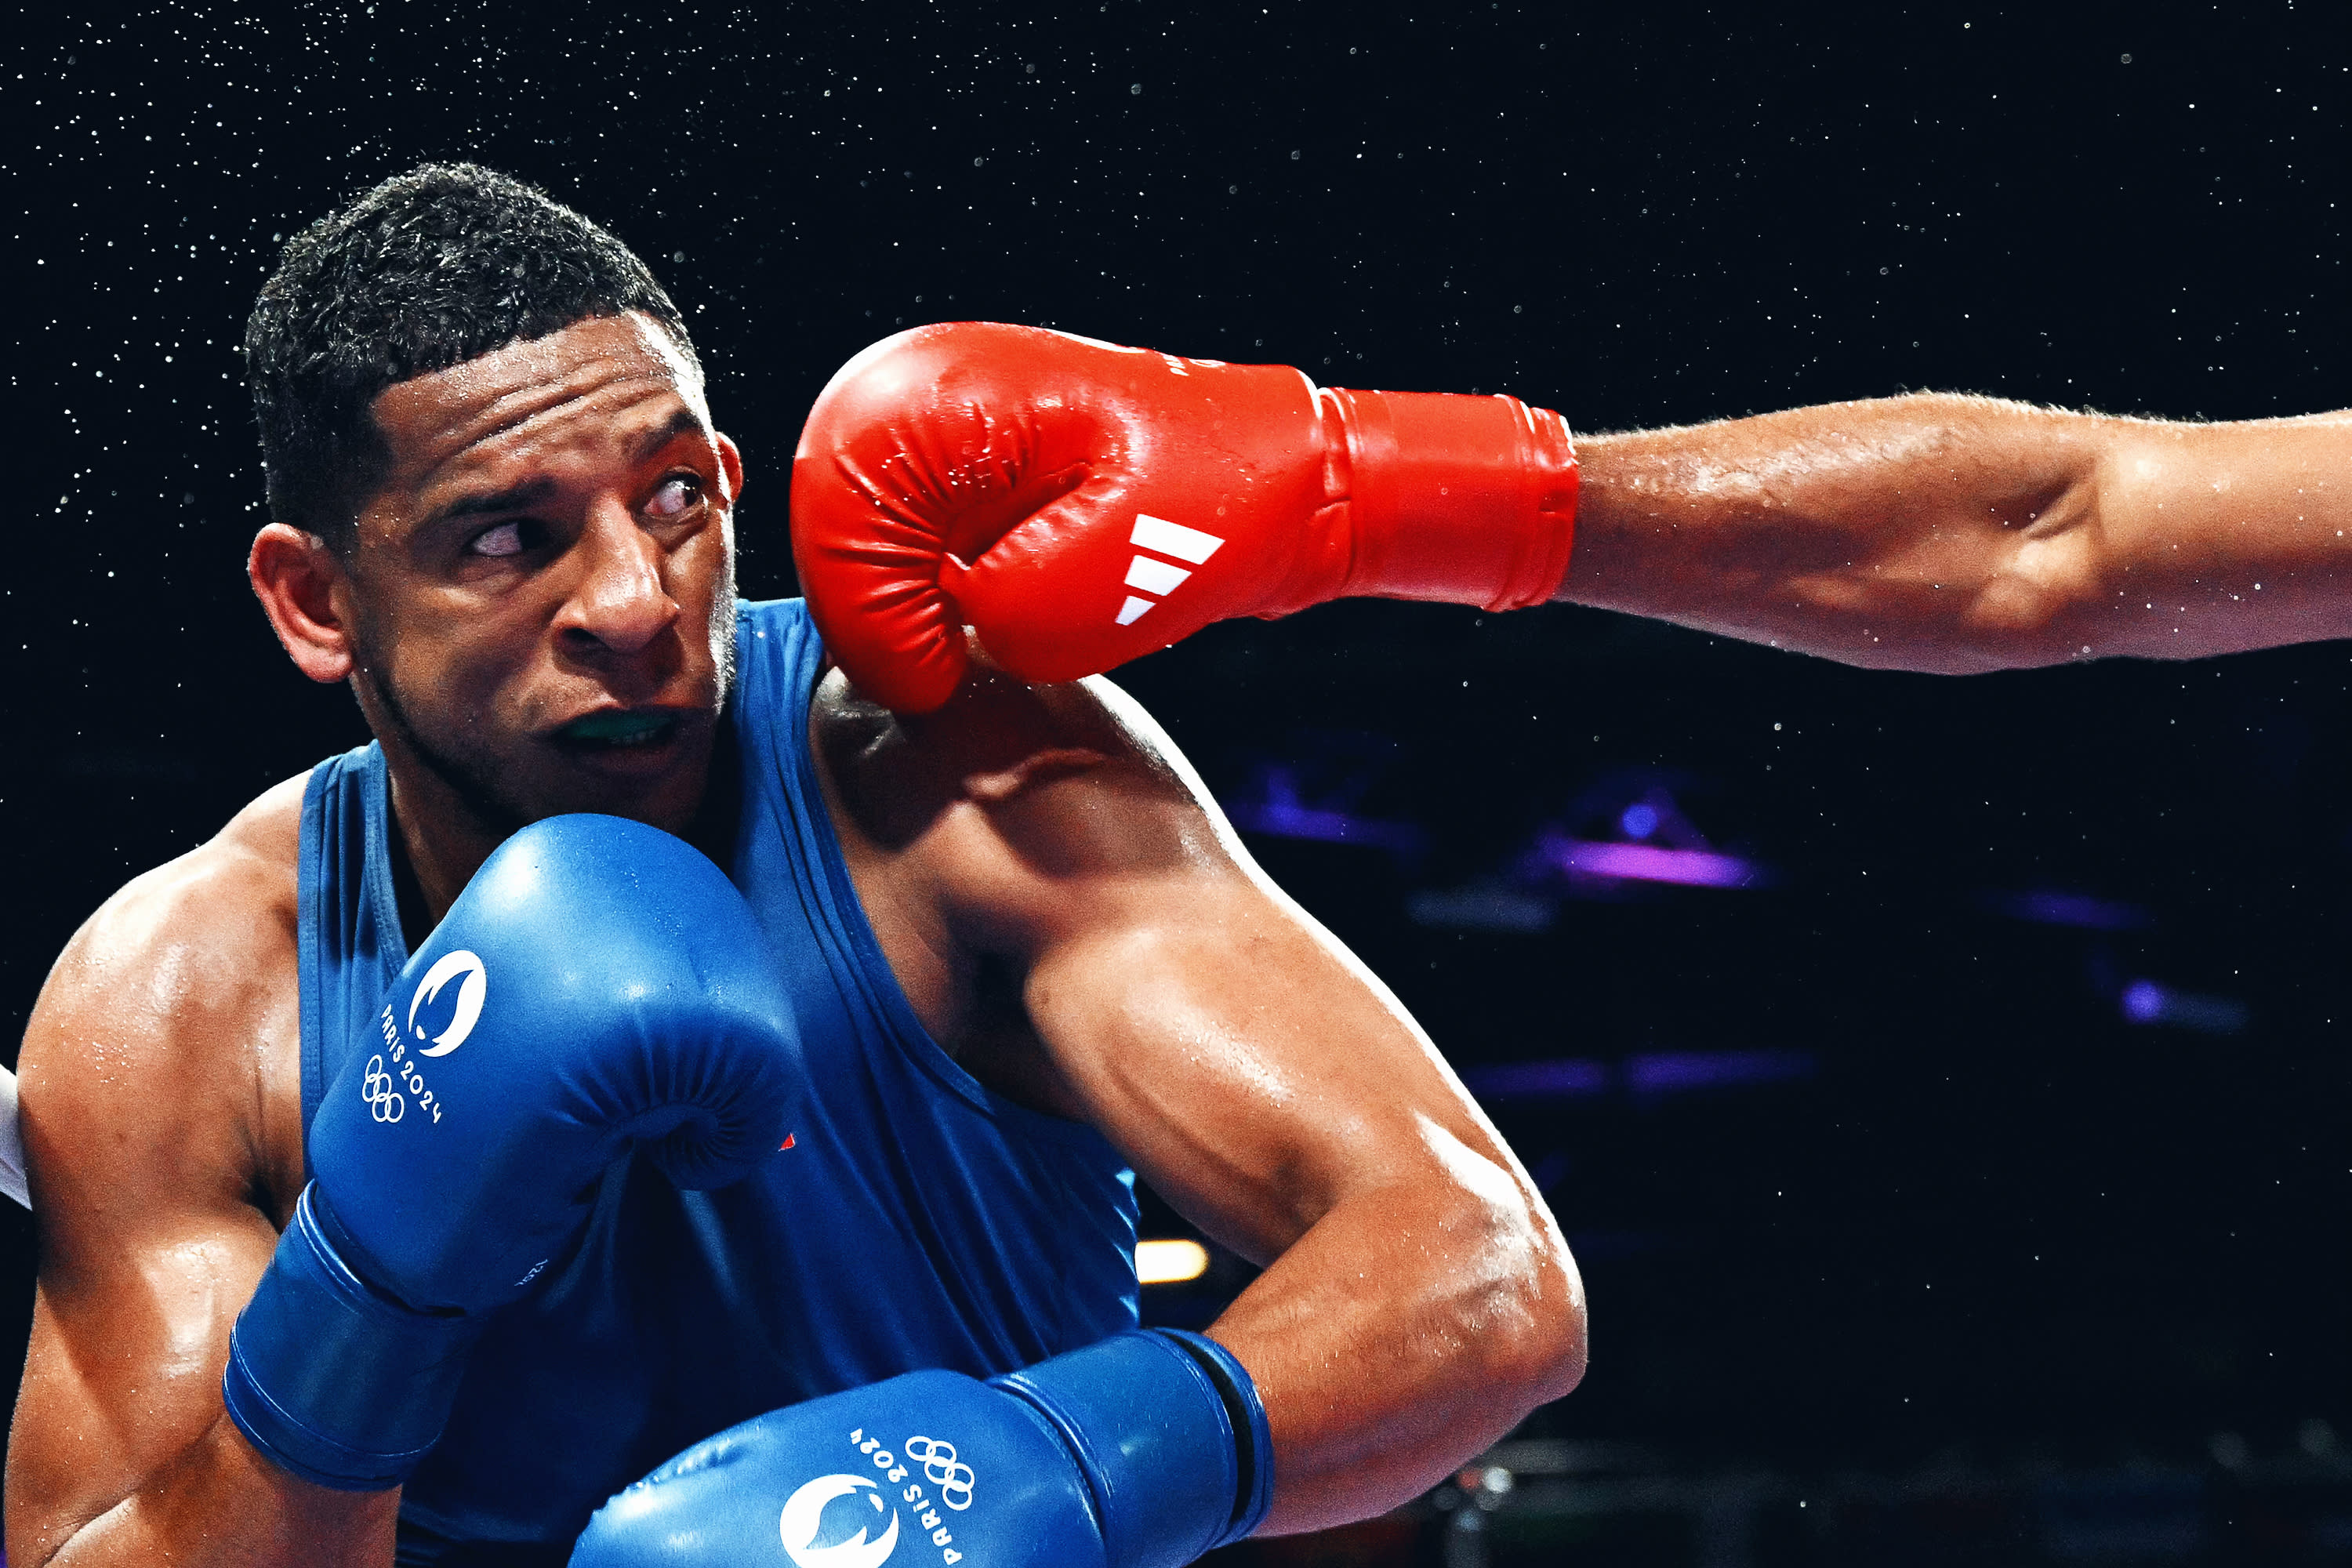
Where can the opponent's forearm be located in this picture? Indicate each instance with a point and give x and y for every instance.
(219, 1502)
(1405, 1331)
(1929, 532)
(1954, 534)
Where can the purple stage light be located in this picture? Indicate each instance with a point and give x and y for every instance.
(1288, 820)
(2146, 1002)
(1666, 1072)
(1628, 828)
(1564, 1079)
(1651, 1074)
(1276, 810)
(1652, 863)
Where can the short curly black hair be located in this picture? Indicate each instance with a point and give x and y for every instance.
(443, 263)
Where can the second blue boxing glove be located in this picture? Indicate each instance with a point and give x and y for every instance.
(1141, 1451)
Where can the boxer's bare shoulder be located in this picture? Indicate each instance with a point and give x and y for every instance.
(166, 1036)
(161, 1103)
(1062, 777)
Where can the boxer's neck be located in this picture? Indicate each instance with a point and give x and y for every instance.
(439, 838)
(438, 841)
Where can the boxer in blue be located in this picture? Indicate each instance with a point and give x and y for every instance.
(407, 1157)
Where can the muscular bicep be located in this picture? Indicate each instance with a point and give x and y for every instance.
(152, 1172)
(1252, 1069)
(122, 1375)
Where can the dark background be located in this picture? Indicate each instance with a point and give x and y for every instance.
(1924, 1192)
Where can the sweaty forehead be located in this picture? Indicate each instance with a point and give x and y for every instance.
(595, 382)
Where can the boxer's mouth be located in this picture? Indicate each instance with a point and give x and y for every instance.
(617, 729)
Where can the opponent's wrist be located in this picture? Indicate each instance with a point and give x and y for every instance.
(1468, 500)
(332, 1379)
(1171, 1435)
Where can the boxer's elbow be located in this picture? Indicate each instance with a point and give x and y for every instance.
(1517, 1302)
(2049, 577)
(1533, 1351)
(1558, 1365)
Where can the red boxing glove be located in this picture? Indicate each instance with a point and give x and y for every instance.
(1079, 504)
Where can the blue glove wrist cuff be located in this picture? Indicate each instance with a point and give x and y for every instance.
(1150, 1417)
(1253, 1439)
(332, 1380)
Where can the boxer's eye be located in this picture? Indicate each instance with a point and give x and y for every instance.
(675, 497)
(503, 538)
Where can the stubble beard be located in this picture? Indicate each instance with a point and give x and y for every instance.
(493, 811)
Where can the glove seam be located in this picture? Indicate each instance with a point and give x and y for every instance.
(1098, 1505)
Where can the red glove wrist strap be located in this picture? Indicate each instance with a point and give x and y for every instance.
(1471, 500)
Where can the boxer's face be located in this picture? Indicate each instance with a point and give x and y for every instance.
(543, 589)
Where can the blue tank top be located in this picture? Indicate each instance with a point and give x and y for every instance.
(917, 1220)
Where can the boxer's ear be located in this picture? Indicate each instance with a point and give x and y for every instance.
(294, 575)
(731, 463)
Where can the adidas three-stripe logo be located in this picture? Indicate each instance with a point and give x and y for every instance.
(1148, 575)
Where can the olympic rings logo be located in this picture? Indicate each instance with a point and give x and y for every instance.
(383, 1101)
(948, 1474)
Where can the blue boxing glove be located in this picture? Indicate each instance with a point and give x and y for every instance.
(599, 986)
(1142, 1451)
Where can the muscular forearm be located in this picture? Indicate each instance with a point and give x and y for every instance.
(218, 1502)
(1926, 533)
(1953, 534)
(1403, 1333)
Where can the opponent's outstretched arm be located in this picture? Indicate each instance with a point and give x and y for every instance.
(1079, 504)
(1418, 1297)
(1956, 534)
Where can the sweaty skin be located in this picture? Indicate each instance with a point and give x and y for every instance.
(535, 619)
(1955, 534)
(1419, 1298)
